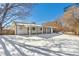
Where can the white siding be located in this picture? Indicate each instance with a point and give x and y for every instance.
(21, 31)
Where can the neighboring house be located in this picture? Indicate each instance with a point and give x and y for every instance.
(30, 28)
(56, 26)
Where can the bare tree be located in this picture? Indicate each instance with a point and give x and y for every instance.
(71, 19)
(12, 11)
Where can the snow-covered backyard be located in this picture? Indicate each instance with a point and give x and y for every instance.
(39, 45)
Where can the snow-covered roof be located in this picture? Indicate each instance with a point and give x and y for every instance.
(27, 24)
(30, 24)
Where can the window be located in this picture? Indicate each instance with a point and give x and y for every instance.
(33, 28)
(40, 28)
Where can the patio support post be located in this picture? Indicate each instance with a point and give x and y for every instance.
(51, 30)
(29, 30)
(37, 30)
(46, 30)
(42, 30)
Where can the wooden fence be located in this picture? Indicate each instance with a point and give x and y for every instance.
(8, 32)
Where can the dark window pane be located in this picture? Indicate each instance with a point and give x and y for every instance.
(40, 28)
(33, 28)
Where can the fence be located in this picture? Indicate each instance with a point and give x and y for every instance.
(8, 32)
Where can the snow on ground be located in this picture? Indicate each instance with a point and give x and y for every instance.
(64, 36)
(53, 45)
(66, 43)
(33, 38)
(15, 48)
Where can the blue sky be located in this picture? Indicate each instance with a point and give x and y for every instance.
(42, 12)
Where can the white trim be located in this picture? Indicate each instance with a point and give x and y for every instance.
(29, 30)
(51, 30)
(28, 24)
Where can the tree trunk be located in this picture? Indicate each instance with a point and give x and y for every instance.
(1, 29)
